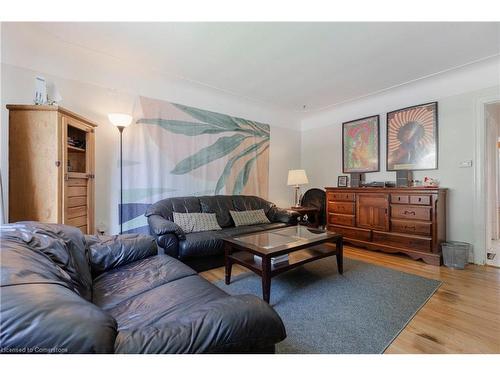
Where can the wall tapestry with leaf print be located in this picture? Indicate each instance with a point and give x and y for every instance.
(174, 150)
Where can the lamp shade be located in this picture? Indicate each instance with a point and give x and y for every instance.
(120, 119)
(297, 177)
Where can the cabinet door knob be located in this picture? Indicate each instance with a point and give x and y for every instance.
(58, 163)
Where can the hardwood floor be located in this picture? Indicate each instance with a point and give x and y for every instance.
(463, 316)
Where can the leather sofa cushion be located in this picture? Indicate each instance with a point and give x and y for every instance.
(63, 248)
(246, 203)
(202, 244)
(252, 228)
(211, 243)
(130, 280)
(53, 316)
(165, 303)
(220, 205)
(224, 325)
(167, 207)
(110, 252)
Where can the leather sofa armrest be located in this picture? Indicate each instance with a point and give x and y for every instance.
(107, 252)
(158, 226)
(169, 243)
(227, 325)
(284, 216)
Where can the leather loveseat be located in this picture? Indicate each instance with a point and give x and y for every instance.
(204, 250)
(63, 292)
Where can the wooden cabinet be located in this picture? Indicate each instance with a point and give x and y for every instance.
(372, 211)
(51, 166)
(406, 220)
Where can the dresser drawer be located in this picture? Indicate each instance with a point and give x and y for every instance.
(400, 198)
(400, 240)
(410, 212)
(411, 227)
(341, 207)
(353, 233)
(420, 199)
(341, 219)
(343, 197)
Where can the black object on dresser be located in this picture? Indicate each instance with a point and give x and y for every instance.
(205, 250)
(405, 220)
(63, 292)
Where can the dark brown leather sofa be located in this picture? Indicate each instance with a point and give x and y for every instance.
(204, 250)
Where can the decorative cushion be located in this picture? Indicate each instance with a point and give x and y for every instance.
(249, 217)
(196, 222)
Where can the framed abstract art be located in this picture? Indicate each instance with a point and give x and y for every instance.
(412, 138)
(360, 145)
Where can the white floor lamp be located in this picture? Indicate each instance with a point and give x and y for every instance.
(121, 121)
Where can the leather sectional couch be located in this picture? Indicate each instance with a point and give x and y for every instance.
(204, 250)
(63, 292)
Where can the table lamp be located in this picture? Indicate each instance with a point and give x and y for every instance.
(297, 177)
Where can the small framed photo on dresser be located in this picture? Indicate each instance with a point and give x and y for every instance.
(342, 181)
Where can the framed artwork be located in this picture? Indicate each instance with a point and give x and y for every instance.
(342, 181)
(360, 145)
(412, 138)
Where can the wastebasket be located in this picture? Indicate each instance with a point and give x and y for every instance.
(455, 254)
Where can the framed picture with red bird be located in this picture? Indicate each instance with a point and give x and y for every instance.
(360, 145)
(412, 138)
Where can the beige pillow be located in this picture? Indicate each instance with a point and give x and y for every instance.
(250, 217)
(196, 222)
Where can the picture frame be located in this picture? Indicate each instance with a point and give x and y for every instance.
(342, 181)
(412, 138)
(361, 145)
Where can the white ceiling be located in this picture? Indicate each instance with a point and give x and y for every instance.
(290, 64)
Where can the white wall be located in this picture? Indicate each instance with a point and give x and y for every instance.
(94, 85)
(457, 93)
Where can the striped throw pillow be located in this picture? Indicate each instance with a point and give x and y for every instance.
(250, 217)
(196, 221)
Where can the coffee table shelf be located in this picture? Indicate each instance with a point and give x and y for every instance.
(296, 259)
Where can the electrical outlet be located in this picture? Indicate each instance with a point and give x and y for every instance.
(491, 256)
(465, 164)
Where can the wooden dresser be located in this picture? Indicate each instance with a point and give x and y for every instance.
(405, 220)
(51, 166)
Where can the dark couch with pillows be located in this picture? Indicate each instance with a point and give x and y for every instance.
(204, 249)
(63, 292)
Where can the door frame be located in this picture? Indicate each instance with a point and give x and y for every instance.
(479, 166)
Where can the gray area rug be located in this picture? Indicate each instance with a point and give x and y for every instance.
(361, 311)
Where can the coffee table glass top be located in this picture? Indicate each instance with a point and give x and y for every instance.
(280, 237)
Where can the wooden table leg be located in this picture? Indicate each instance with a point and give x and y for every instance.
(266, 278)
(340, 255)
(228, 263)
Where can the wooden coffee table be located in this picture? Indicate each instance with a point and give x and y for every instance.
(302, 244)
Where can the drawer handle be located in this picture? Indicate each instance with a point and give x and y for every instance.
(409, 212)
(410, 227)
